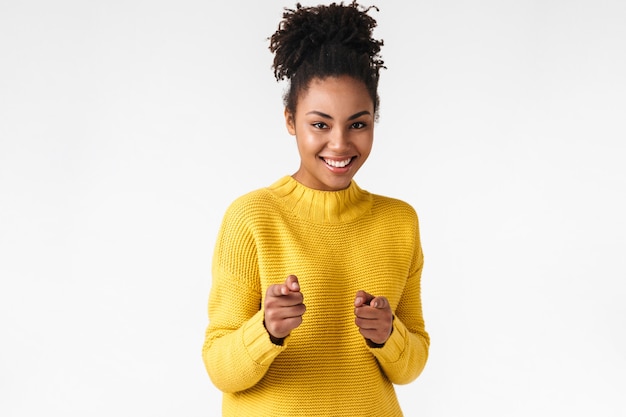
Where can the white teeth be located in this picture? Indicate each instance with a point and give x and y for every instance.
(338, 164)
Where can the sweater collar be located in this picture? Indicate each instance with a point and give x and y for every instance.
(322, 206)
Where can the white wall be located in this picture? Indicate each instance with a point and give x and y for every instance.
(127, 127)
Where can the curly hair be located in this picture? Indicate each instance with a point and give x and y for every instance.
(326, 41)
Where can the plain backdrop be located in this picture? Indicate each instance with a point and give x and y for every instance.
(127, 128)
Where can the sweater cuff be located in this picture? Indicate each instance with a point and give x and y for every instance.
(394, 346)
(257, 341)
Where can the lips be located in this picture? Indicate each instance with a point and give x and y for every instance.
(342, 163)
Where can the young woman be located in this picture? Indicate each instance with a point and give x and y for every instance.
(315, 305)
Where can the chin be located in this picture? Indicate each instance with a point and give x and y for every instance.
(338, 185)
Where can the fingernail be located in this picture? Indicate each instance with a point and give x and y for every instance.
(358, 301)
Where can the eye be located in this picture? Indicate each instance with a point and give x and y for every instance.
(319, 125)
(357, 125)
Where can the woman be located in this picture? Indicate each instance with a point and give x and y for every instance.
(315, 305)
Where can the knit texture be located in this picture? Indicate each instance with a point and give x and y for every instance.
(336, 243)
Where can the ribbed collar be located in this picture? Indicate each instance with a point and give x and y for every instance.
(322, 206)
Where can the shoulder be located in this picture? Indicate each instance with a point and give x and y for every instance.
(396, 218)
(251, 204)
(393, 206)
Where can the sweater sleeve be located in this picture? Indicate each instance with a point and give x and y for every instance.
(405, 353)
(237, 350)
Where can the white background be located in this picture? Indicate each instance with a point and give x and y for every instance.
(127, 127)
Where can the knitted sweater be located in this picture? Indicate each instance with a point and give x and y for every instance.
(336, 243)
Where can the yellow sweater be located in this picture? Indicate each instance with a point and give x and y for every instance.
(336, 243)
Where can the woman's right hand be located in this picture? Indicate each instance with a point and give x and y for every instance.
(284, 308)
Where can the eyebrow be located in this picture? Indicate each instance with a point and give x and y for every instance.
(327, 116)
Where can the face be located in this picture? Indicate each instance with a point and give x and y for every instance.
(334, 130)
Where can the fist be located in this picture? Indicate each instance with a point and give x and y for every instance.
(284, 308)
(373, 317)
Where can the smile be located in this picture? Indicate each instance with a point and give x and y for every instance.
(338, 164)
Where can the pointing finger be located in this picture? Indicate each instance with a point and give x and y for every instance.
(292, 283)
(379, 302)
(362, 298)
(277, 290)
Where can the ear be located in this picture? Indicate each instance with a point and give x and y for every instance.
(290, 122)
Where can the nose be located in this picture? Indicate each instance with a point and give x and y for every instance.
(339, 139)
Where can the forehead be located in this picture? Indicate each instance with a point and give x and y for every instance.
(336, 93)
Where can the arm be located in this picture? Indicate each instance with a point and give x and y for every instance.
(237, 350)
(401, 353)
(405, 352)
(397, 338)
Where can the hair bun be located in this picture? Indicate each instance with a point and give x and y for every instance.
(304, 31)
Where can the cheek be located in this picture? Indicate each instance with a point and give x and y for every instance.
(307, 144)
(307, 138)
(365, 145)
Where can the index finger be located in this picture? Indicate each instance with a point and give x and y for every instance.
(362, 298)
(292, 283)
(277, 290)
(379, 302)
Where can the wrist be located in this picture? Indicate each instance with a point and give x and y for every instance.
(373, 344)
(279, 341)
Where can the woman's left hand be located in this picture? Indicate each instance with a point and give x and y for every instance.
(373, 318)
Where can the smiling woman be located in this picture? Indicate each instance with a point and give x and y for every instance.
(334, 130)
(314, 277)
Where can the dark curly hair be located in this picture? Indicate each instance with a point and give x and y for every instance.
(326, 41)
